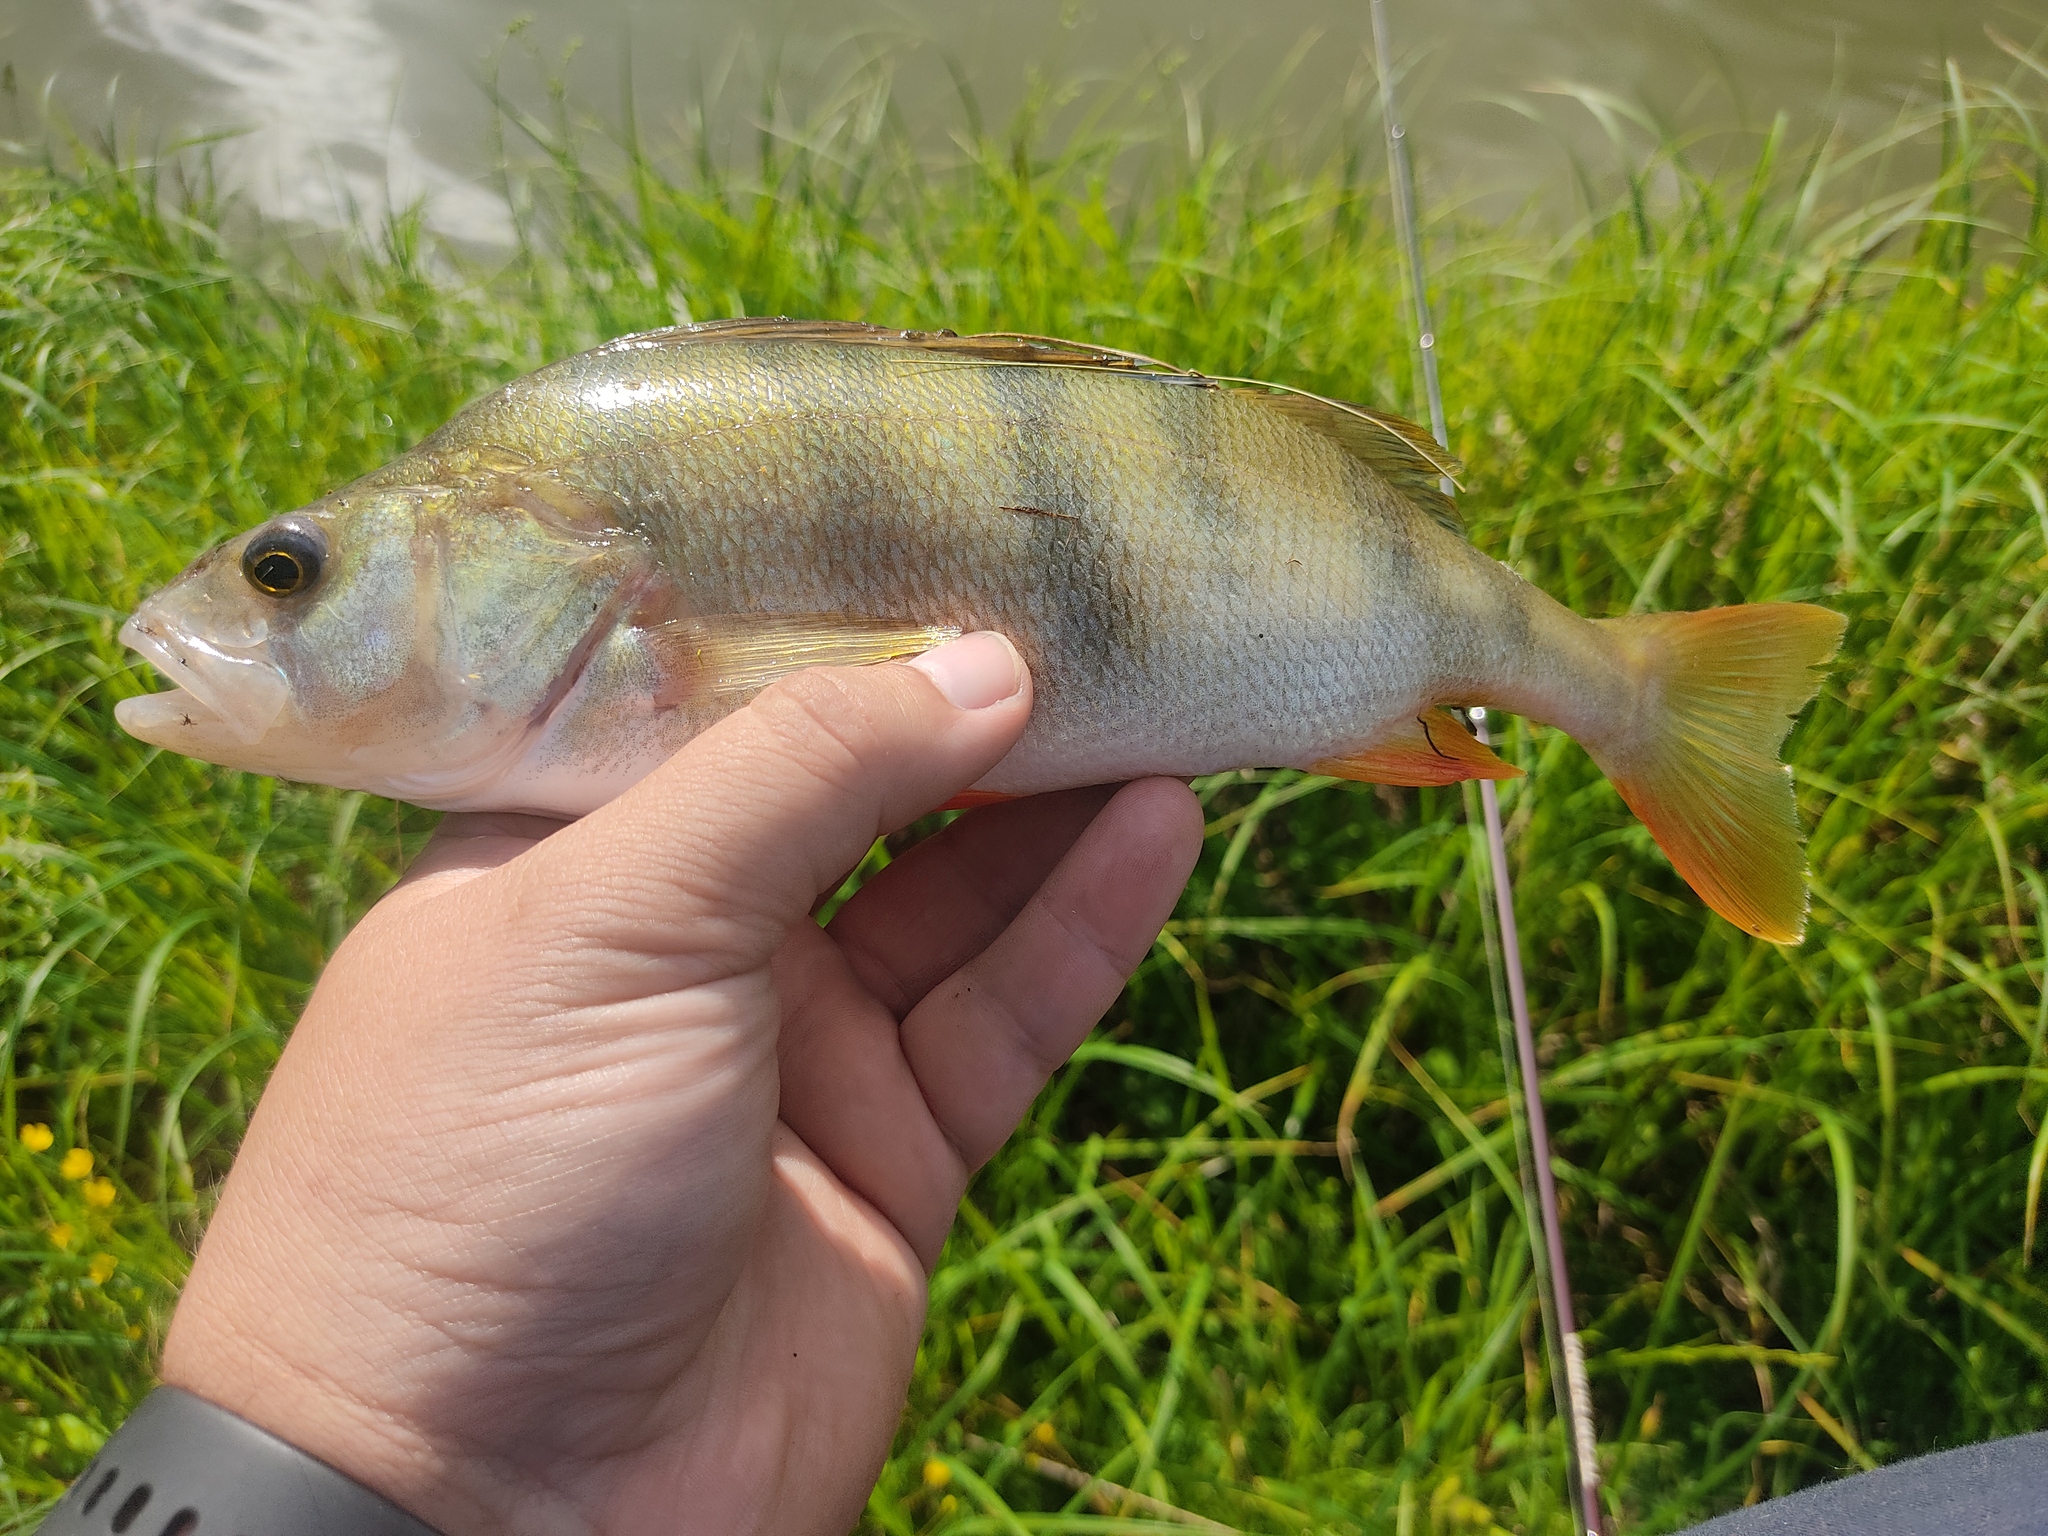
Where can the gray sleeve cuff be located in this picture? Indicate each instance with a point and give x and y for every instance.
(182, 1467)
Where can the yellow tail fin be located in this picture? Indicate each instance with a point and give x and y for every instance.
(1699, 763)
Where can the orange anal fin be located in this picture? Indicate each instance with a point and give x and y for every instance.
(1433, 748)
(974, 799)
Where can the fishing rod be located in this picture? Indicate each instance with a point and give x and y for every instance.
(1503, 941)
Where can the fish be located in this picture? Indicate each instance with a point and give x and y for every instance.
(547, 597)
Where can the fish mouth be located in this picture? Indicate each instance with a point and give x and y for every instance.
(215, 686)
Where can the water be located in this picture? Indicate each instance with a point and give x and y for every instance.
(340, 109)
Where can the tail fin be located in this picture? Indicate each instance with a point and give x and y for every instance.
(1700, 767)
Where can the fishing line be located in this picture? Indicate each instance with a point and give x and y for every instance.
(1497, 922)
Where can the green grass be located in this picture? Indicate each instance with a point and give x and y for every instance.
(1797, 1182)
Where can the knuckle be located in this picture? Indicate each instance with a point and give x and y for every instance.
(1037, 1056)
(1024, 1035)
(824, 725)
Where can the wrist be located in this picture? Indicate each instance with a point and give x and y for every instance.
(182, 1465)
(241, 1373)
(334, 1388)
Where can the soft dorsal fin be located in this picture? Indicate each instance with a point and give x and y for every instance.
(1395, 449)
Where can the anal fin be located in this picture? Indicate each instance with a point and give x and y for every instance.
(1433, 748)
(735, 655)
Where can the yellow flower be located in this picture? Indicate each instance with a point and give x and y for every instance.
(937, 1474)
(60, 1234)
(98, 1191)
(37, 1137)
(948, 1504)
(77, 1163)
(101, 1267)
(1044, 1433)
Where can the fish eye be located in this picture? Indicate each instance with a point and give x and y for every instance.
(284, 561)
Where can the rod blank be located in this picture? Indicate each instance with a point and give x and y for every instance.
(1504, 950)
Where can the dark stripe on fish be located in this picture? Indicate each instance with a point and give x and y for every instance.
(1190, 429)
(1054, 442)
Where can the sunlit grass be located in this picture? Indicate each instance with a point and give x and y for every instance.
(1798, 1182)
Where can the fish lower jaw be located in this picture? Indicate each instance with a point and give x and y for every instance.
(178, 720)
(215, 689)
(171, 719)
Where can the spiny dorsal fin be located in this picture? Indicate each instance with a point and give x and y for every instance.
(1397, 450)
(995, 347)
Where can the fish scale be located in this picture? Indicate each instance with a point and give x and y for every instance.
(611, 554)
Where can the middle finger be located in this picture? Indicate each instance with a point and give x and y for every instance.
(946, 900)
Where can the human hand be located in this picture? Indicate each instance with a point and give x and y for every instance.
(597, 1188)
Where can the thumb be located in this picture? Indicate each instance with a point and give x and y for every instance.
(708, 861)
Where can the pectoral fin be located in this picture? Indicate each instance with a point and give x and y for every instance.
(733, 655)
(1433, 748)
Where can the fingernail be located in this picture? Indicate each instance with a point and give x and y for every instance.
(974, 671)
